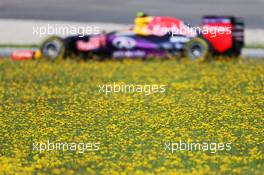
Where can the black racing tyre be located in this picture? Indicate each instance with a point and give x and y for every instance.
(196, 49)
(52, 48)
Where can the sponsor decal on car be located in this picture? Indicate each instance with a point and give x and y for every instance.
(124, 42)
(94, 42)
(21, 55)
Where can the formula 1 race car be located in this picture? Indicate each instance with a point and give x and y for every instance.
(154, 36)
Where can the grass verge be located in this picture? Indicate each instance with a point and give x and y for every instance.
(203, 102)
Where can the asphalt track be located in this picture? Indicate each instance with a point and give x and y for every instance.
(121, 11)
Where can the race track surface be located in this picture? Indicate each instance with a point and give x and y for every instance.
(121, 11)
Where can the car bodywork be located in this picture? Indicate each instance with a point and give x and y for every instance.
(154, 36)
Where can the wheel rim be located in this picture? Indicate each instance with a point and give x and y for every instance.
(52, 49)
(196, 51)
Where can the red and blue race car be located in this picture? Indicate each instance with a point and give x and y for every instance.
(154, 36)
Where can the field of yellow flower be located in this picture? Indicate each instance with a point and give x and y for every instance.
(217, 102)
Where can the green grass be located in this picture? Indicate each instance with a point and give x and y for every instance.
(218, 102)
(255, 46)
(29, 46)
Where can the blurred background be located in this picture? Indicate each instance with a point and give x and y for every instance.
(19, 17)
(121, 11)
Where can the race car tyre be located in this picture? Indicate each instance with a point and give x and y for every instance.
(196, 49)
(52, 48)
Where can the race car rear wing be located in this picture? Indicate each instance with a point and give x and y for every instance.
(232, 40)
